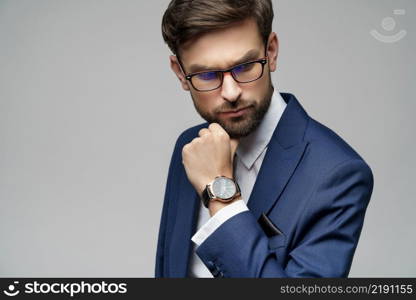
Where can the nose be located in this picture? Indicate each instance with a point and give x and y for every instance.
(230, 90)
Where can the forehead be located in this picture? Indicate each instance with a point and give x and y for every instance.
(223, 48)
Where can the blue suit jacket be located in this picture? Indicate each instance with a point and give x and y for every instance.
(312, 190)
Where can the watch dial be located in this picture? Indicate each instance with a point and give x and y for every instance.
(223, 188)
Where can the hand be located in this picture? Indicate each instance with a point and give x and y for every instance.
(208, 156)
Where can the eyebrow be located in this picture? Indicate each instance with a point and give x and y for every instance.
(250, 55)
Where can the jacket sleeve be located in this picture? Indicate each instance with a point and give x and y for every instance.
(175, 160)
(324, 243)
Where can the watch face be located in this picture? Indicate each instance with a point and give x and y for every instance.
(223, 188)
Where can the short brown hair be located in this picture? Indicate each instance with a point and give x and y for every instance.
(186, 19)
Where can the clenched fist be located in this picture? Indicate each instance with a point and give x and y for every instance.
(209, 155)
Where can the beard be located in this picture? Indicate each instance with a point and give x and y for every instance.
(241, 126)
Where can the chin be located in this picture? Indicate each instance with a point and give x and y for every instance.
(239, 129)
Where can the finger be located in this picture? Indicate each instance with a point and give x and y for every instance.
(195, 140)
(203, 131)
(217, 129)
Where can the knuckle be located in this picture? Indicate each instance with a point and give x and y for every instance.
(196, 141)
(203, 132)
(212, 125)
(223, 136)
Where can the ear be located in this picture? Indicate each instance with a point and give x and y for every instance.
(176, 68)
(273, 51)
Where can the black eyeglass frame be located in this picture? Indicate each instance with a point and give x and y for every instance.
(262, 61)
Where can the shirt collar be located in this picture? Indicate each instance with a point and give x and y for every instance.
(252, 146)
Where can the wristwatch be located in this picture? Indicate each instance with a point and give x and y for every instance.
(222, 189)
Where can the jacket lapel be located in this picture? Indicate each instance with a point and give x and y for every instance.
(276, 170)
(284, 153)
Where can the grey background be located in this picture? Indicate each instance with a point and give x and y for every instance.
(90, 111)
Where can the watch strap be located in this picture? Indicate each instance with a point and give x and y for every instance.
(205, 197)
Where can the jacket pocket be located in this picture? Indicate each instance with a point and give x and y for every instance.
(276, 237)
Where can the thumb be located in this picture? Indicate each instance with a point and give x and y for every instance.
(234, 145)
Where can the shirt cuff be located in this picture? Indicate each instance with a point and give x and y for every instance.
(217, 220)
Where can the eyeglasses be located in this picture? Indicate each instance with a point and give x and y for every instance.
(242, 73)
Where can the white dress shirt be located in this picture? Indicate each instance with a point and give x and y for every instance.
(247, 162)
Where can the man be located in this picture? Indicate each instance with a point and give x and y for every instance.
(260, 189)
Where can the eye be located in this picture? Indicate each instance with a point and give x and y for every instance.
(207, 76)
(243, 68)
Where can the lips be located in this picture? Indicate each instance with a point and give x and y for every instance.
(236, 113)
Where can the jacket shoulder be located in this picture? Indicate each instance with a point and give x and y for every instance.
(328, 146)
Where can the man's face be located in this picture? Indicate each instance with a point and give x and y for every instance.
(223, 49)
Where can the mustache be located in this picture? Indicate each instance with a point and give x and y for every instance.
(235, 105)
